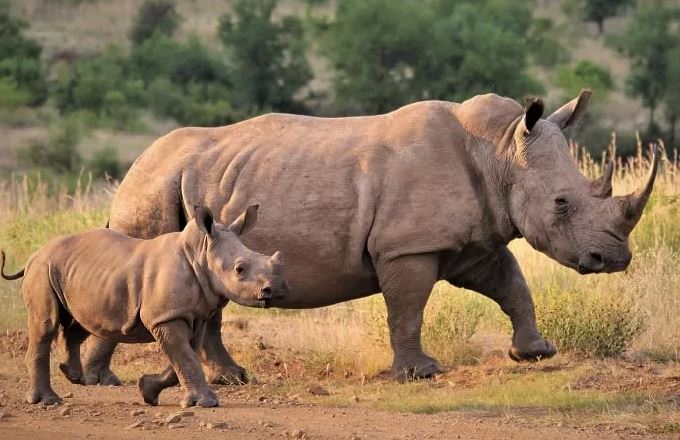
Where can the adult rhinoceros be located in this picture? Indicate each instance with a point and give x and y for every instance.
(389, 203)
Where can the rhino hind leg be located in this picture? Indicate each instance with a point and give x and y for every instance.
(74, 336)
(406, 283)
(43, 323)
(97, 362)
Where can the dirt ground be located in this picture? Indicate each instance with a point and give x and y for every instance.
(271, 408)
(116, 412)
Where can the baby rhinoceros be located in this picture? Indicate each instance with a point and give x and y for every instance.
(130, 290)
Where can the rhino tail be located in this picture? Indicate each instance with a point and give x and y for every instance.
(2, 269)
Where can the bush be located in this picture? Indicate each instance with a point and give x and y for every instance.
(585, 74)
(155, 17)
(103, 86)
(106, 162)
(450, 323)
(20, 63)
(60, 151)
(601, 325)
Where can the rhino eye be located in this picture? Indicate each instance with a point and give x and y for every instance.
(561, 205)
(240, 269)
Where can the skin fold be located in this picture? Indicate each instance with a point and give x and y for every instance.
(389, 203)
(131, 290)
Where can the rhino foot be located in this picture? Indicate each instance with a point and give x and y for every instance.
(421, 370)
(227, 375)
(207, 399)
(533, 352)
(46, 397)
(74, 375)
(148, 385)
(100, 376)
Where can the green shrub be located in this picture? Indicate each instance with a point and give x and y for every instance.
(155, 17)
(20, 62)
(105, 162)
(601, 325)
(60, 151)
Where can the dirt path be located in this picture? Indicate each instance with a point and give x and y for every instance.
(109, 412)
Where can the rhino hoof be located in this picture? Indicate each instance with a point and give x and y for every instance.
(74, 375)
(534, 352)
(47, 397)
(231, 375)
(422, 371)
(148, 387)
(102, 376)
(206, 400)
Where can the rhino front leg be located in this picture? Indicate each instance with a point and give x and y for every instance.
(97, 362)
(220, 366)
(175, 338)
(406, 283)
(500, 278)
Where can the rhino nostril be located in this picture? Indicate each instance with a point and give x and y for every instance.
(597, 258)
(265, 292)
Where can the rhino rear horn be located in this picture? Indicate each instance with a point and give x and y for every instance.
(602, 186)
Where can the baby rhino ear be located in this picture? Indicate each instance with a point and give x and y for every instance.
(204, 219)
(245, 221)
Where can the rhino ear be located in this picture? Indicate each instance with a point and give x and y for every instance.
(532, 113)
(572, 112)
(204, 219)
(245, 221)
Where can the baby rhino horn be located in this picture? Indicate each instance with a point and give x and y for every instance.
(276, 259)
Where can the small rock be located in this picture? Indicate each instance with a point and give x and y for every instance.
(68, 395)
(5, 415)
(176, 425)
(265, 424)
(201, 423)
(262, 399)
(137, 412)
(135, 403)
(186, 413)
(66, 411)
(173, 418)
(318, 390)
(254, 381)
(217, 425)
(354, 398)
(137, 424)
(298, 433)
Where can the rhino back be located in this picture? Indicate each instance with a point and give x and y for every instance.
(336, 195)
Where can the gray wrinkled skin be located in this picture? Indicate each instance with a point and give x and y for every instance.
(124, 289)
(389, 203)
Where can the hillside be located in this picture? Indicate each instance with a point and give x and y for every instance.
(69, 30)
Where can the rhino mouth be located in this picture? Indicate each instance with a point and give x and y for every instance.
(265, 303)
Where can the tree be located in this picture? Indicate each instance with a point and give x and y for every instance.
(585, 74)
(389, 52)
(267, 56)
(672, 95)
(22, 79)
(648, 42)
(599, 10)
(154, 17)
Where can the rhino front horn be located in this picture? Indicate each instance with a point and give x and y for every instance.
(634, 204)
(277, 258)
(602, 186)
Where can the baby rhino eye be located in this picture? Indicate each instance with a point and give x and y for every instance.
(560, 201)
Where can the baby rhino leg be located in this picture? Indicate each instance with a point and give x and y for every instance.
(179, 342)
(151, 385)
(43, 321)
(74, 336)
